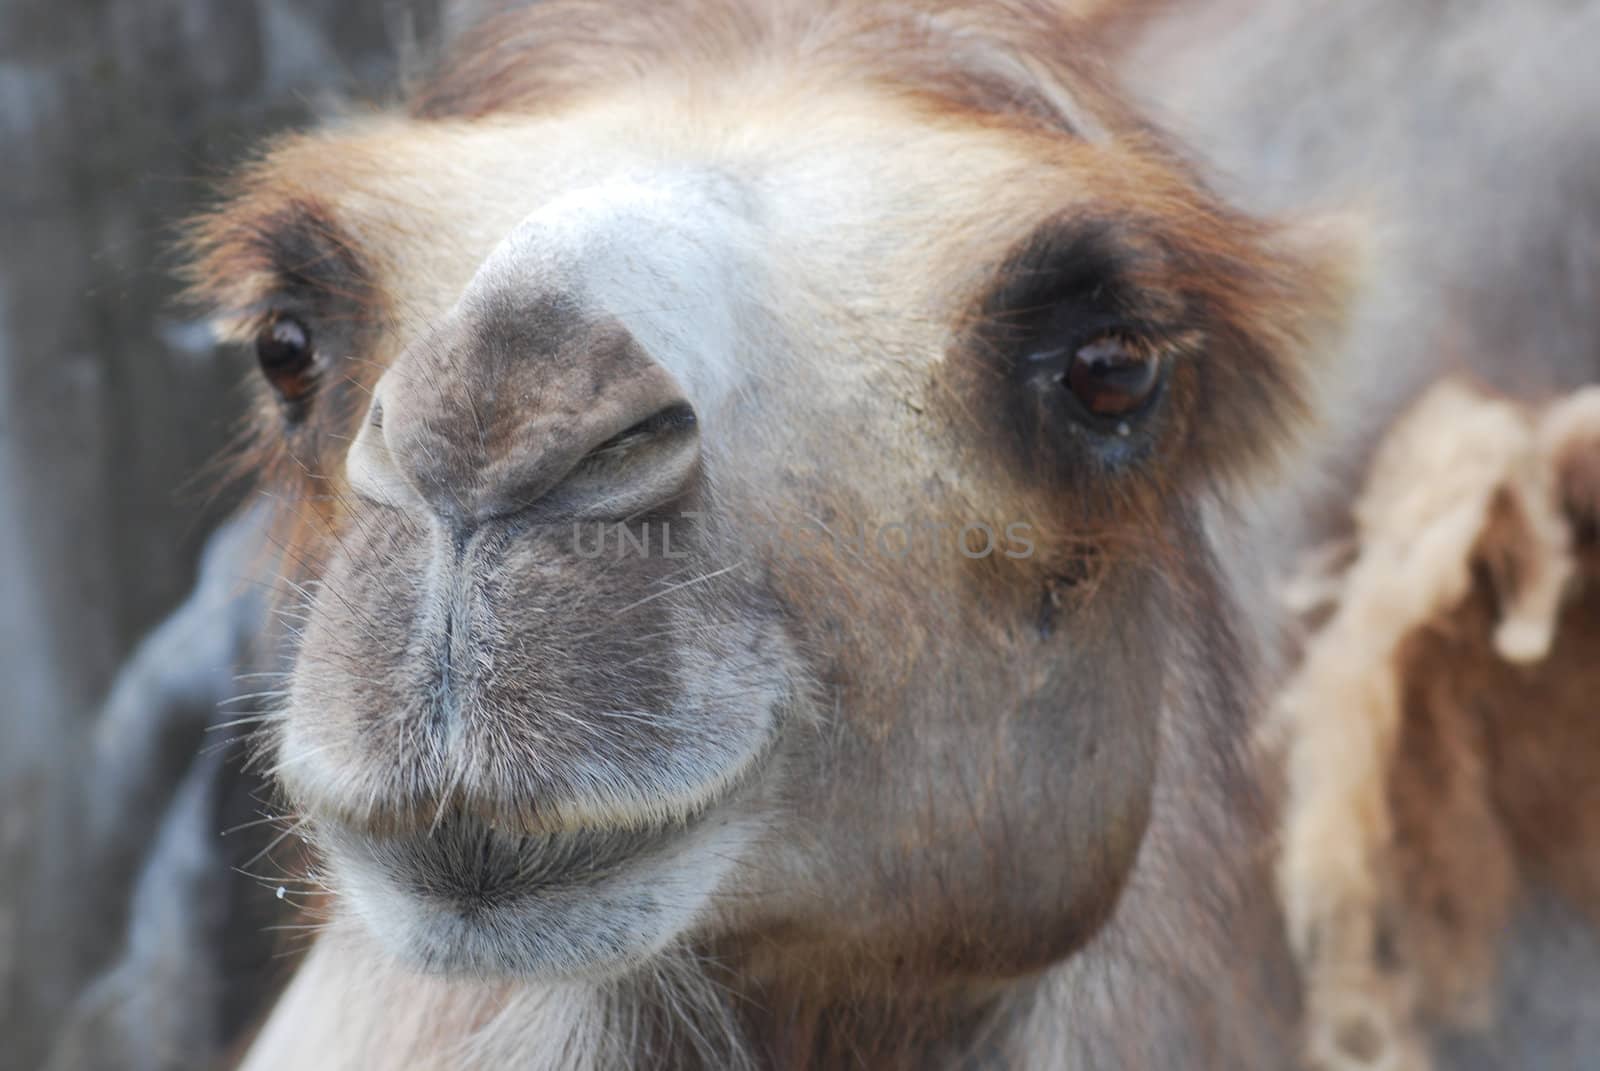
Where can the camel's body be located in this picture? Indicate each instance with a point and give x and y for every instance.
(996, 814)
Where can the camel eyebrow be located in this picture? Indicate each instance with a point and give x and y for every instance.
(251, 257)
(309, 253)
(1083, 261)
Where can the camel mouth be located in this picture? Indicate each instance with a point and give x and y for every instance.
(525, 794)
(506, 890)
(468, 896)
(523, 762)
(479, 697)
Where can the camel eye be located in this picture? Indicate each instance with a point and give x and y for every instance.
(1113, 376)
(286, 356)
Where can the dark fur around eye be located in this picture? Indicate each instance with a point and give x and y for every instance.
(1070, 339)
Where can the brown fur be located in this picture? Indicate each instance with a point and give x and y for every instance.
(1001, 814)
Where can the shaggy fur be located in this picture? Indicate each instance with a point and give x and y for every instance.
(1425, 768)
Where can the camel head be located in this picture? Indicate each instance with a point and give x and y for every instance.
(746, 479)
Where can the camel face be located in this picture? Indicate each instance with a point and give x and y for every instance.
(762, 502)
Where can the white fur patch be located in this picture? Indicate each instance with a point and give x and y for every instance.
(662, 253)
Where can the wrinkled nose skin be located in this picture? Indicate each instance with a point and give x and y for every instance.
(559, 385)
(525, 406)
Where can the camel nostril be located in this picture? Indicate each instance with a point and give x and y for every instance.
(648, 462)
(589, 427)
(671, 420)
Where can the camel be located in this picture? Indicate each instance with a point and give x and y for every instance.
(959, 417)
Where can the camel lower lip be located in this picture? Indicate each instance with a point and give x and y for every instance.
(465, 897)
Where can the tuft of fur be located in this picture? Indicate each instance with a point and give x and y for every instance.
(1396, 872)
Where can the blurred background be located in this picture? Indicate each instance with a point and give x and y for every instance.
(116, 118)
